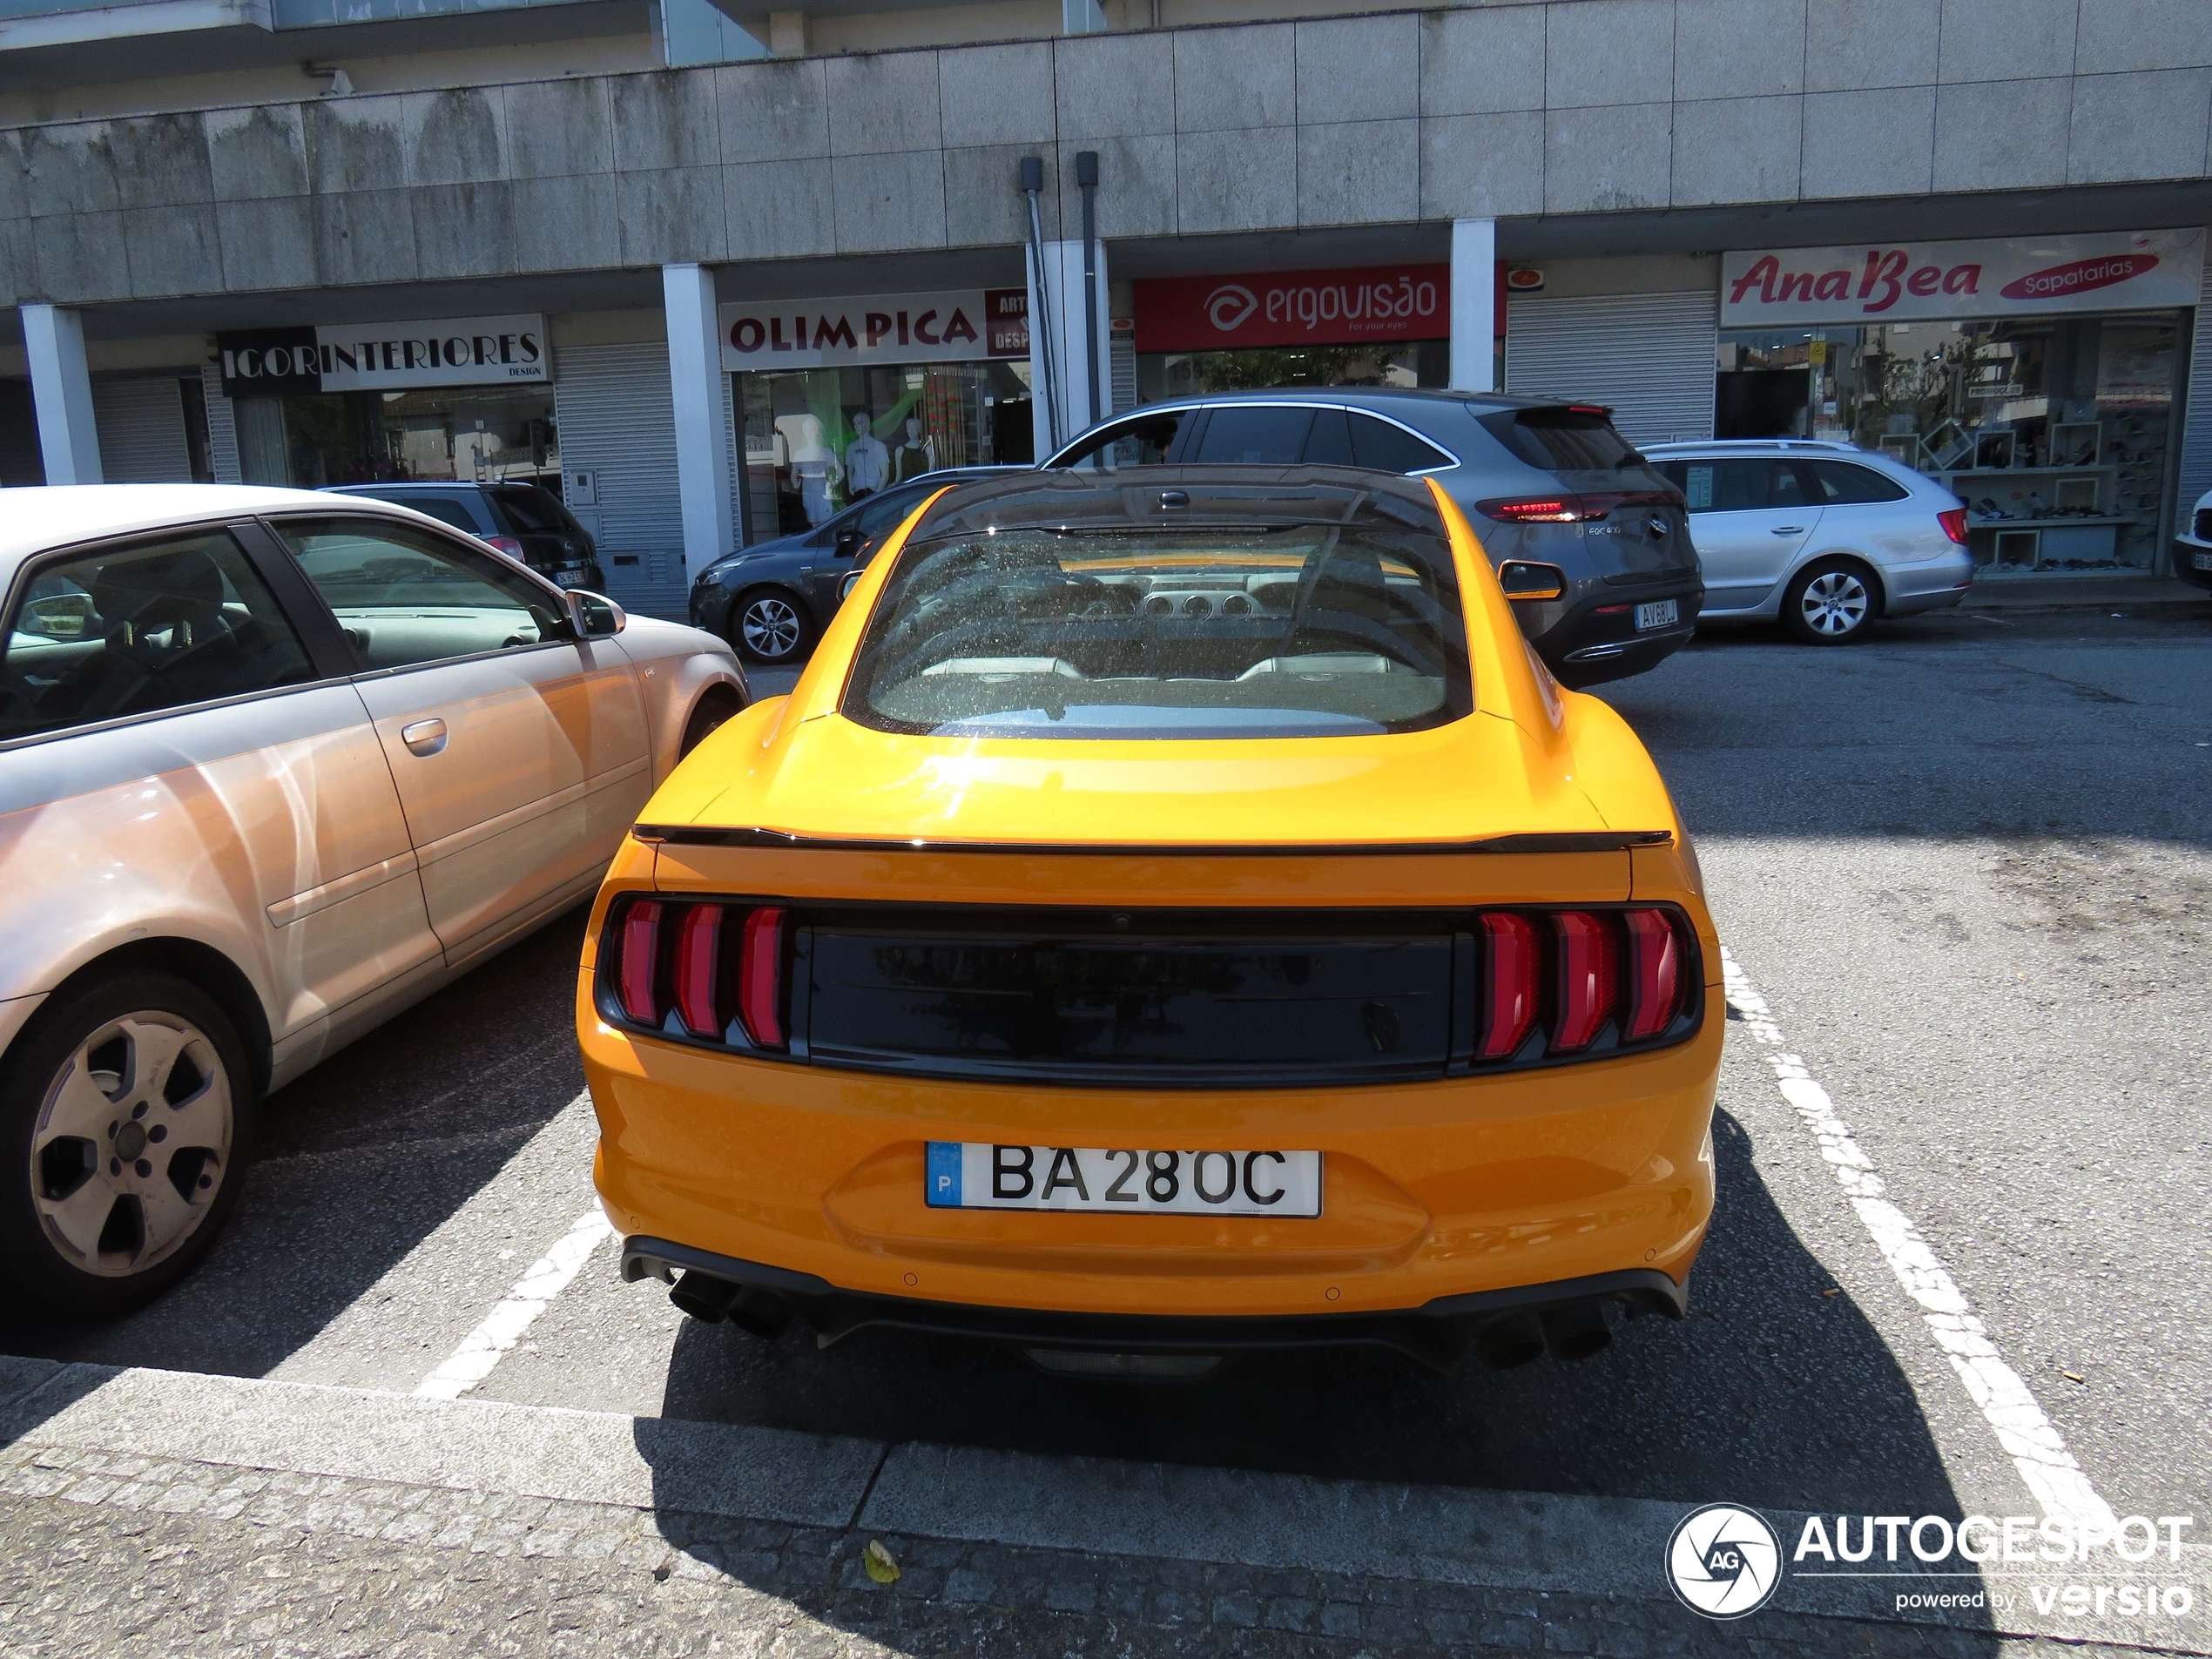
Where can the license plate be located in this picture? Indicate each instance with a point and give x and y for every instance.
(1659, 613)
(968, 1174)
(2201, 562)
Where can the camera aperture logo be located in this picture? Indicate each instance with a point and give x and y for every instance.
(1723, 1561)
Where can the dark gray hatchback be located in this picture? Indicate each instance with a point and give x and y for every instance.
(1590, 541)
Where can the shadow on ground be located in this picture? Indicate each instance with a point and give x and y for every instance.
(359, 1160)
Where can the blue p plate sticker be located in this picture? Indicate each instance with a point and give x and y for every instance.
(944, 1173)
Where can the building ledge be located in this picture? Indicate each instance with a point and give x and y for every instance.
(80, 25)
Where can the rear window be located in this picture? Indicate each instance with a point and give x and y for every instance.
(530, 510)
(1266, 630)
(1256, 434)
(1844, 484)
(1563, 440)
(444, 508)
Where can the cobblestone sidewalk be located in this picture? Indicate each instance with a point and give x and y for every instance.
(103, 1555)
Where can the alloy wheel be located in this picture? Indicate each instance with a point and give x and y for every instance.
(131, 1144)
(1835, 603)
(771, 629)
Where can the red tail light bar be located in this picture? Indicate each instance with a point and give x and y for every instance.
(1556, 985)
(1571, 508)
(675, 971)
(1536, 987)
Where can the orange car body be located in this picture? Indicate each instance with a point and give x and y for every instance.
(1478, 1191)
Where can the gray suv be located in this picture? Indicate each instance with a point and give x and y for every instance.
(1590, 542)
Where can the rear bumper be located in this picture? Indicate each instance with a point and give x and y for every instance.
(1435, 1333)
(2187, 550)
(1432, 1190)
(1597, 639)
(1926, 585)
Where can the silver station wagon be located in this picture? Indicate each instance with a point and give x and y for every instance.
(273, 765)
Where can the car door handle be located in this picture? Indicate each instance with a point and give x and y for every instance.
(1787, 529)
(424, 738)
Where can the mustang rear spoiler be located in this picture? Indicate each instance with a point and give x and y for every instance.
(1570, 841)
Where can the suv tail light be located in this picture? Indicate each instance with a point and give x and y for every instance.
(705, 963)
(1955, 524)
(506, 544)
(1566, 508)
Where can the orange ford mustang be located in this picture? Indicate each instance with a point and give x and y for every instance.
(1174, 914)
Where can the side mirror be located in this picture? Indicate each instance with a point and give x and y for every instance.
(848, 542)
(1522, 580)
(593, 616)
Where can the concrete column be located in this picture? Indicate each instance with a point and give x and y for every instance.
(61, 391)
(1475, 304)
(695, 382)
(1063, 287)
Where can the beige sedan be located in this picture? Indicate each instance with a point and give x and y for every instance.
(273, 765)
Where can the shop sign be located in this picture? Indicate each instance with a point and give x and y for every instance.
(954, 326)
(1381, 302)
(1907, 281)
(384, 356)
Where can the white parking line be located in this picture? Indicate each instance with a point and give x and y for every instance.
(489, 1343)
(2029, 1438)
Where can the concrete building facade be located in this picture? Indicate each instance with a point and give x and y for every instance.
(1622, 167)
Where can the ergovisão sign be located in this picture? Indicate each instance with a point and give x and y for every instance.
(385, 356)
(1908, 282)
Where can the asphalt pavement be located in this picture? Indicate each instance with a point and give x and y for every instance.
(1964, 874)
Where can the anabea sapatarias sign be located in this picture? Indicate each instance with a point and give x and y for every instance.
(1903, 281)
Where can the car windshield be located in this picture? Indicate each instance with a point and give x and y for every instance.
(1259, 630)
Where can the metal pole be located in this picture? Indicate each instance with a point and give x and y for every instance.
(1041, 324)
(1086, 180)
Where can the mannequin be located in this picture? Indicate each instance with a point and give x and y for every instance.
(815, 468)
(915, 456)
(868, 463)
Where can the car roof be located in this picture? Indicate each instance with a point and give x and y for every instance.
(418, 486)
(1351, 397)
(1127, 497)
(1754, 446)
(40, 517)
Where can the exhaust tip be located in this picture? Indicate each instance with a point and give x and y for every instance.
(704, 1298)
(1513, 1340)
(762, 1312)
(1577, 1331)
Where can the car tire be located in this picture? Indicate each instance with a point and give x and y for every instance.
(770, 625)
(148, 1066)
(1831, 602)
(716, 709)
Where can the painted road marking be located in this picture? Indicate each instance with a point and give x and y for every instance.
(546, 1277)
(2029, 1438)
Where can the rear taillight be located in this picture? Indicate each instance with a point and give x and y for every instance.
(1590, 977)
(1509, 985)
(760, 982)
(1579, 984)
(639, 980)
(698, 954)
(1655, 973)
(1955, 524)
(669, 954)
(506, 544)
(1539, 509)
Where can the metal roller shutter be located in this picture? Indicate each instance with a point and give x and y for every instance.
(20, 460)
(616, 419)
(222, 428)
(140, 420)
(1648, 355)
(2196, 415)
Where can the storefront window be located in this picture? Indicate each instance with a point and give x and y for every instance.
(473, 435)
(1166, 374)
(2053, 430)
(817, 440)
